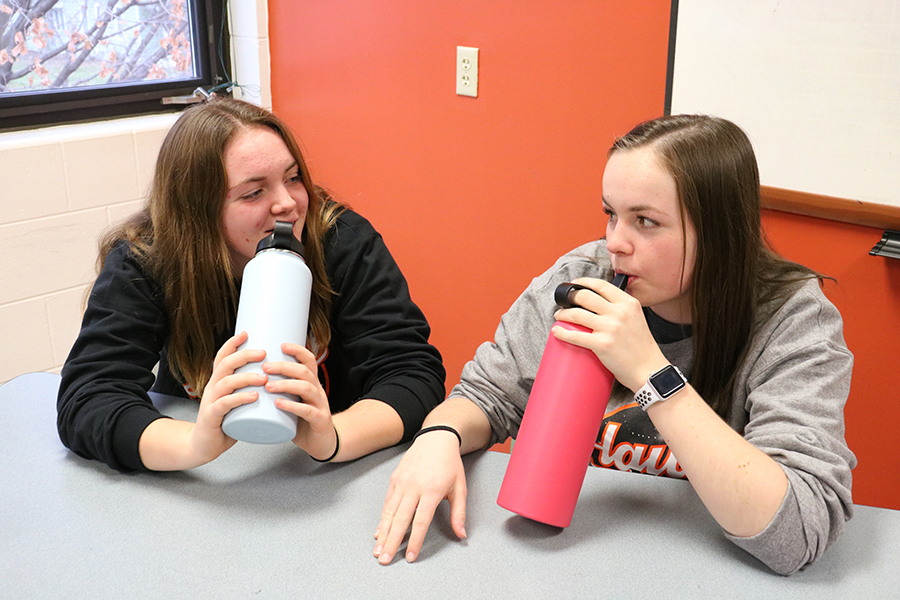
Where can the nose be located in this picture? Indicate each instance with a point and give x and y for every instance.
(283, 201)
(617, 239)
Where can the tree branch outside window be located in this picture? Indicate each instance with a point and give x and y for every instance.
(64, 44)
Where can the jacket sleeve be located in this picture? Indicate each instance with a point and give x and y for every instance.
(382, 333)
(103, 406)
(797, 386)
(500, 376)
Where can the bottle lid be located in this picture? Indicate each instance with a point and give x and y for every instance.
(564, 292)
(282, 238)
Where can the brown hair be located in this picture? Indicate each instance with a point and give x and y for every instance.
(736, 275)
(180, 240)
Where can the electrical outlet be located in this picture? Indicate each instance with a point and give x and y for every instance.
(467, 71)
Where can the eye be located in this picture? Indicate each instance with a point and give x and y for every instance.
(609, 213)
(292, 175)
(646, 222)
(252, 195)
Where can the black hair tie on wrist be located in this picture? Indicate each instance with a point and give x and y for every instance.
(439, 428)
(337, 448)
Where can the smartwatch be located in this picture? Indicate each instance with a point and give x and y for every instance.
(660, 386)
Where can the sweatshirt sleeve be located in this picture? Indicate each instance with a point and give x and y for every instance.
(797, 386)
(103, 406)
(500, 376)
(383, 336)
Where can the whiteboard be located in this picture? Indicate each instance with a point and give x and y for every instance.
(814, 83)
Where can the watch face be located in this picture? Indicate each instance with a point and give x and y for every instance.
(668, 381)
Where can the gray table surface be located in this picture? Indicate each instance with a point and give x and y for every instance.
(268, 522)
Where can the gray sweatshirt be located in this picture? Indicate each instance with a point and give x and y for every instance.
(788, 401)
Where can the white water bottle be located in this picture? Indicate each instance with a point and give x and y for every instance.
(273, 309)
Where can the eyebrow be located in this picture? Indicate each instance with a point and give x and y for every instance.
(291, 167)
(634, 209)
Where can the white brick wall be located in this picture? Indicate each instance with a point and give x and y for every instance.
(249, 22)
(60, 187)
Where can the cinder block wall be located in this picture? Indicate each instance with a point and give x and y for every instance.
(61, 187)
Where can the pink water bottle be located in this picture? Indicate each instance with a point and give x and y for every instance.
(559, 428)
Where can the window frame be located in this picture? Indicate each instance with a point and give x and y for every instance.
(40, 108)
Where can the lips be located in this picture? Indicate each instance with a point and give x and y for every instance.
(631, 278)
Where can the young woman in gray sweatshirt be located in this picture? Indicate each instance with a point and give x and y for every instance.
(758, 430)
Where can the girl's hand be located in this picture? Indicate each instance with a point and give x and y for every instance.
(315, 430)
(430, 471)
(620, 337)
(207, 440)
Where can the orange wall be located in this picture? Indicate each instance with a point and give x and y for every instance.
(475, 196)
(866, 293)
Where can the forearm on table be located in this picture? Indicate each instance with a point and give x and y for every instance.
(741, 486)
(465, 417)
(365, 427)
(165, 445)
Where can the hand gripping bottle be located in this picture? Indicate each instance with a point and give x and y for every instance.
(273, 309)
(559, 428)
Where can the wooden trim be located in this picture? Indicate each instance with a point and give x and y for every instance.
(856, 212)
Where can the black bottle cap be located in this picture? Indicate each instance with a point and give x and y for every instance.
(564, 292)
(282, 238)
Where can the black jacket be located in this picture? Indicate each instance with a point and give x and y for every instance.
(379, 347)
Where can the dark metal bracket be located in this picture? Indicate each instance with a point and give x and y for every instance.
(889, 245)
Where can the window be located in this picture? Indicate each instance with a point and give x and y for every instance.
(75, 60)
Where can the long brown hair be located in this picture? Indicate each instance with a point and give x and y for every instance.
(736, 276)
(179, 237)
